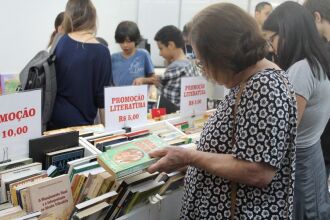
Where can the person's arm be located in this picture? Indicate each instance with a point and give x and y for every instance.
(301, 105)
(304, 83)
(149, 72)
(150, 80)
(222, 165)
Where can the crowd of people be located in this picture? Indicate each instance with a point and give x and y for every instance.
(260, 154)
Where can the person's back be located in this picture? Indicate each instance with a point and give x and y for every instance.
(300, 50)
(317, 110)
(83, 68)
(320, 9)
(171, 43)
(82, 72)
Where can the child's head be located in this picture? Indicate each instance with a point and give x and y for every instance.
(58, 27)
(169, 40)
(58, 23)
(80, 15)
(127, 35)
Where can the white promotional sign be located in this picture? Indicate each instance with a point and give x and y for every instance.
(125, 106)
(193, 96)
(20, 121)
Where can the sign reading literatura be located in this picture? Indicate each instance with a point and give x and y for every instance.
(125, 106)
(193, 96)
(20, 121)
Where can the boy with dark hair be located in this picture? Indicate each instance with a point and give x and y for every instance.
(170, 43)
(320, 10)
(261, 12)
(132, 66)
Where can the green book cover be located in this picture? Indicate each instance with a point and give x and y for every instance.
(131, 157)
(9, 82)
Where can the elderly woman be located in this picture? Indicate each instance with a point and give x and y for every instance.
(243, 167)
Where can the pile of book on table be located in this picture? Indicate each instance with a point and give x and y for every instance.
(27, 191)
(168, 133)
(104, 186)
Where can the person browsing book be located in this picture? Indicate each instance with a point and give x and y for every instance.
(243, 167)
(83, 68)
(300, 51)
(170, 44)
(132, 66)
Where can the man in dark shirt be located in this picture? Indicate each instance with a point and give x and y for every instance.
(320, 10)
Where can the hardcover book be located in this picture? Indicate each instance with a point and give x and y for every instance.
(61, 157)
(40, 146)
(81, 161)
(131, 157)
(101, 144)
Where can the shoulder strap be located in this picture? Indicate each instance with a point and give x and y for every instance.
(233, 185)
(57, 38)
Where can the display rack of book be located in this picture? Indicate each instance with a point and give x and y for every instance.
(192, 126)
(163, 129)
(96, 175)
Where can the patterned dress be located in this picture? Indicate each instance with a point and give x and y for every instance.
(265, 132)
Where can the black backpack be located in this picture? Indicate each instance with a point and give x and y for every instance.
(40, 73)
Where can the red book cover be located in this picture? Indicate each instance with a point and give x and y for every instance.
(157, 112)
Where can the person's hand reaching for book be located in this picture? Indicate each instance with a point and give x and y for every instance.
(171, 159)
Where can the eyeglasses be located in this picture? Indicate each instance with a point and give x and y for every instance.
(271, 39)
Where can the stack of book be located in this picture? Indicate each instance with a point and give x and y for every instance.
(38, 197)
(163, 130)
(16, 172)
(56, 150)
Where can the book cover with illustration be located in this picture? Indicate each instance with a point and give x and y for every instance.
(130, 157)
(8, 83)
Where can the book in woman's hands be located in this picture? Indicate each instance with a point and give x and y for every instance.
(131, 157)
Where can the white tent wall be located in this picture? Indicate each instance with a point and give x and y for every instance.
(27, 25)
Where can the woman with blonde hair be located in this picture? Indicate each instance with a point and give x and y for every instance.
(83, 68)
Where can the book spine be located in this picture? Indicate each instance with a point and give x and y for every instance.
(97, 188)
(78, 189)
(74, 182)
(131, 203)
(134, 169)
(75, 171)
(87, 186)
(103, 164)
(106, 186)
(13, 196)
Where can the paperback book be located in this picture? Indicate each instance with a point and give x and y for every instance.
(131, 157)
